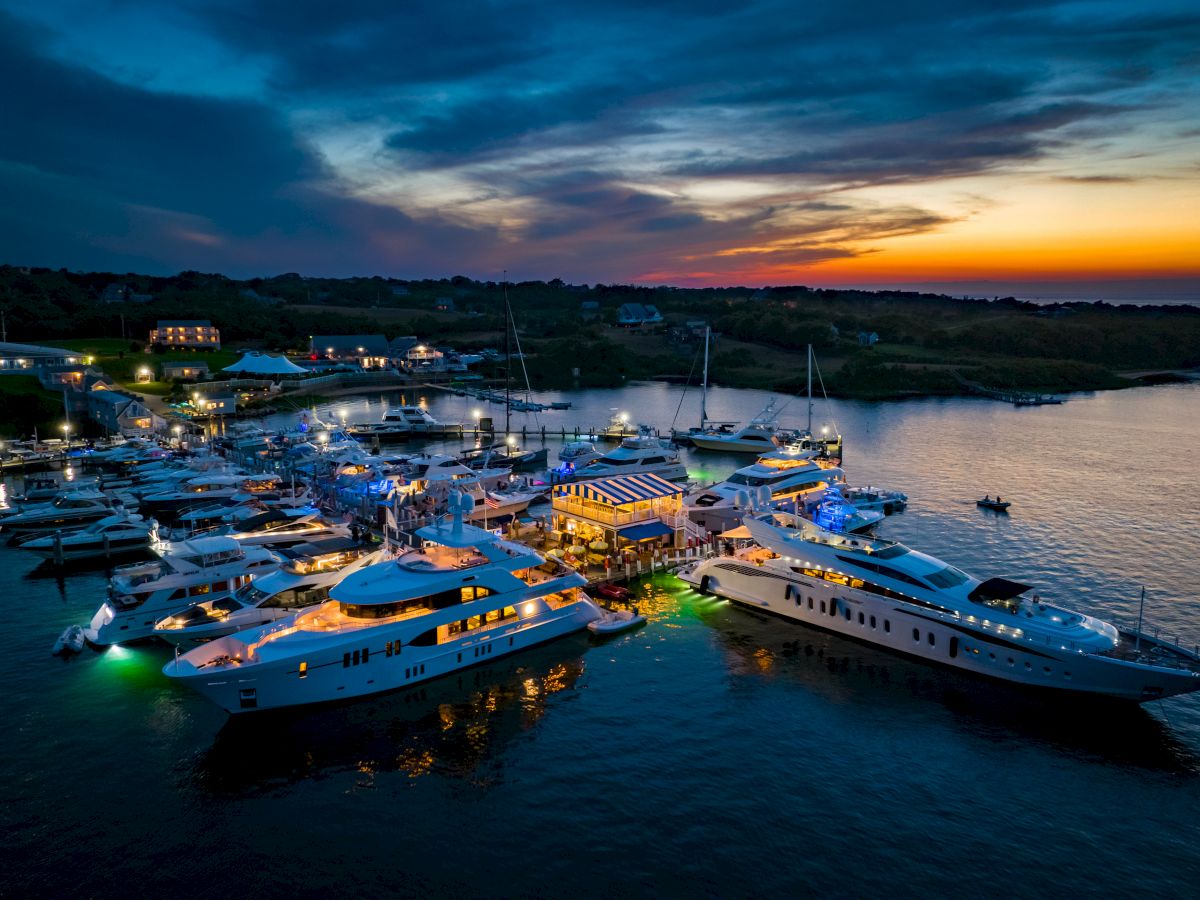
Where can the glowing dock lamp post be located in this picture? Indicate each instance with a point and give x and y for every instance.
(66, 430)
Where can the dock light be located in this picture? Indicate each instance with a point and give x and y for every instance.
(360, 349)
(511, 440)
(624, 417)
(477, 413)
(66, 427)
(824, 429)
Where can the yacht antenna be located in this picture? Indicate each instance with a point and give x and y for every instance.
(1137, 643)
(810, 389)
(507, 360)
(704, 389)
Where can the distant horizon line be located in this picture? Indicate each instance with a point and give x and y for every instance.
(1150, 290)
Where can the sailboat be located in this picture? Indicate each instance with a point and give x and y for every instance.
(762, 433)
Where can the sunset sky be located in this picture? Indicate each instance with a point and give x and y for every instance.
(684, 142)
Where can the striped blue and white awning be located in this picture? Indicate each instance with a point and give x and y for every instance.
(620, 489)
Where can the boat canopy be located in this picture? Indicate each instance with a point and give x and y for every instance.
(997, 589)
(621, 489)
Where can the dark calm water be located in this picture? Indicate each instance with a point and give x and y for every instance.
(714, 752)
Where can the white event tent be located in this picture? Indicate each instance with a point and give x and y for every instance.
(255, 363)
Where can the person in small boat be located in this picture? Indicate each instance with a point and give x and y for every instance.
(987, 498)
(998, 500)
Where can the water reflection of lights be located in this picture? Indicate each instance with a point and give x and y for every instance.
(454, 726)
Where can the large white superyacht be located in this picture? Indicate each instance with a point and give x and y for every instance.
(463, 597)
(885, 593)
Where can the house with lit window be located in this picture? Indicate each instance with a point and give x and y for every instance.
(120, 413)
(367, 351)
(625, 512)
(193, 334)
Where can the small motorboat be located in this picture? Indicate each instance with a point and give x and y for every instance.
(70, 641)
(996, 505)
(610, 591)
(615, 621)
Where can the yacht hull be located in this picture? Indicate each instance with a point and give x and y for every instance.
(278, 684)
(876, 620)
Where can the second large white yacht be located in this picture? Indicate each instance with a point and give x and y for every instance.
(304, 579)
(464, 597)
(186, 572)
(887, 594)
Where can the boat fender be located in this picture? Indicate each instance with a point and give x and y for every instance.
(704, 582)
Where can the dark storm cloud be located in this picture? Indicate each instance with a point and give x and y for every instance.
(158, 179)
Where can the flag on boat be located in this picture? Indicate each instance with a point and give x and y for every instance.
(491, 501)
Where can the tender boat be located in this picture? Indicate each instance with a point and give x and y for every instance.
(574, 455)
(610, 591)
(304, 580)
(69, 642)
(997, 505)
(877, 499)
(187, 572)
(616, 621)
(889, 595)
(104, 538)
(464, 597)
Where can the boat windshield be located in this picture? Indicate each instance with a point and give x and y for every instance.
(947, 578)
(755, 480)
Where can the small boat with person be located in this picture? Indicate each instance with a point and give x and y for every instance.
(996, 505)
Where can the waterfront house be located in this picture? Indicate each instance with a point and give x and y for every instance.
(368, 351)
(120, 413)
(195, 334)
(217, 405)
(184, 371)
(868, 338)
(625, 512)
(443, 304)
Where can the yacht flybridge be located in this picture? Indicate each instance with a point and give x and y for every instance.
(186, 573)
(464, 597)
(887, 594)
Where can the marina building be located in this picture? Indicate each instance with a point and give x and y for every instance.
(368, 351)
(625, 512)
(29, 359)
(197, 334)
(120, 413)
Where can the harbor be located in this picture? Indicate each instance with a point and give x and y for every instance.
(711, 681)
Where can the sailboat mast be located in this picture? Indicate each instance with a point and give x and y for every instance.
(810, 388)
(704, 389)
(507, 360)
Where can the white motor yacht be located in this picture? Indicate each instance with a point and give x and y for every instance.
(645, 454)
(792, 477)
(285, 528)
(204, 490)
(887, 594)
(110, 536)
(402, 422)
(464, 597)
(304, 579)
(186, 572)
(757, 436)
(71, 509)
